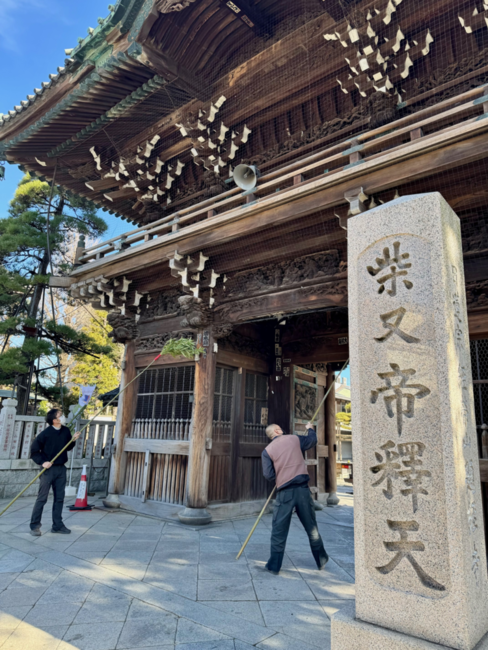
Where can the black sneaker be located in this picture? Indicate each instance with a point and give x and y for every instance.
(321, 558)
(63, 530)
(36, 532)
(275, 573)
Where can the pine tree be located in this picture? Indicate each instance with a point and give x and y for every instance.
(104, 373)
(35, 239)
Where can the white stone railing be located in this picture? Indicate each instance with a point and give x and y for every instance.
(18, 431)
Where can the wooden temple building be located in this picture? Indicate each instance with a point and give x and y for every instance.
(340, 105)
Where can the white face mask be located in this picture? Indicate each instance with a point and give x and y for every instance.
(62, 419)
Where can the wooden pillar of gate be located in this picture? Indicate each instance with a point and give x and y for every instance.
(125, 414)
(330, 439)
(321, 439)
(195, 512)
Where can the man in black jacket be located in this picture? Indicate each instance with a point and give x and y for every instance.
(43, 449)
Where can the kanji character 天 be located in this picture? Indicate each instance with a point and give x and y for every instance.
(404, 549)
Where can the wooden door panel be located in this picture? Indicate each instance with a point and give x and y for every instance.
(220, 481)
(305, 399)
(218, 486)
(253, 485)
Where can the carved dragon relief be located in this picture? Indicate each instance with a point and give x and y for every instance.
(158, 341)
(305, 401)
(315, 323)
(163, 304)
(475, 239)
(477, 294)
(168, 6)
(284, 274)
(124, 327)
(245, 345)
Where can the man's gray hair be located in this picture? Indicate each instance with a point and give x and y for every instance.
(270, 430)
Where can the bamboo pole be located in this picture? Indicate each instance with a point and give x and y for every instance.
(274, 489)
(81, 431)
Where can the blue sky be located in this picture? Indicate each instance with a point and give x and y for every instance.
(347, 375)
(33, 37)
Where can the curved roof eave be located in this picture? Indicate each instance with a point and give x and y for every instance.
(126, 15)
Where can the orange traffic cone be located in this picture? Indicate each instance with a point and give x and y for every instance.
(81, 502)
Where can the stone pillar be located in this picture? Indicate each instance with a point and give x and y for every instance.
(9, 411)
(125, 414)
(421, 576)
(196, 512)
(331, 438)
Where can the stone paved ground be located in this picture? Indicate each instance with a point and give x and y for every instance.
(121, 581)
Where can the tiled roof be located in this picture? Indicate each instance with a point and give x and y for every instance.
(75, 55)
(38, 92)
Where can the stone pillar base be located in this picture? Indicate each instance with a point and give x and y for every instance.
(195, 516)
(333, 499)
(111, 501)
(349, 633)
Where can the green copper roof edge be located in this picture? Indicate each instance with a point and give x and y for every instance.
(112, 62)
(113, 113)
(126, 13)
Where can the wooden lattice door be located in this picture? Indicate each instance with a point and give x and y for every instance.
(250, 438)
(219, 489)
(158, 445)
(305, 399)
(239, 436)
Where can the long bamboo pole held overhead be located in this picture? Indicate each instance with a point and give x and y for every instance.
(274, 489)
(81, 430)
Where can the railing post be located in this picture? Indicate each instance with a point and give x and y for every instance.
(484, 441)
(80, 249)
(7, 424)
(123, 426)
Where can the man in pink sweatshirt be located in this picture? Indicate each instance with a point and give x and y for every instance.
(284, 463)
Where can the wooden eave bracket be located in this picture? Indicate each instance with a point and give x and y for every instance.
(170, 70)
(356, 198)
(357, 201)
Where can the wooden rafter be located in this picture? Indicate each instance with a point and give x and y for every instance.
(250, 16)
(334, 8)
(170, 70)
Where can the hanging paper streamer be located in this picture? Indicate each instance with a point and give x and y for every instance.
(86, 393)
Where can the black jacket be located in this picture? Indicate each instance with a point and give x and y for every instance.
(306, 442)
(49, 443)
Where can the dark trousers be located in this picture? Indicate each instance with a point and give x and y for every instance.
(301, 499)
(55, 476)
